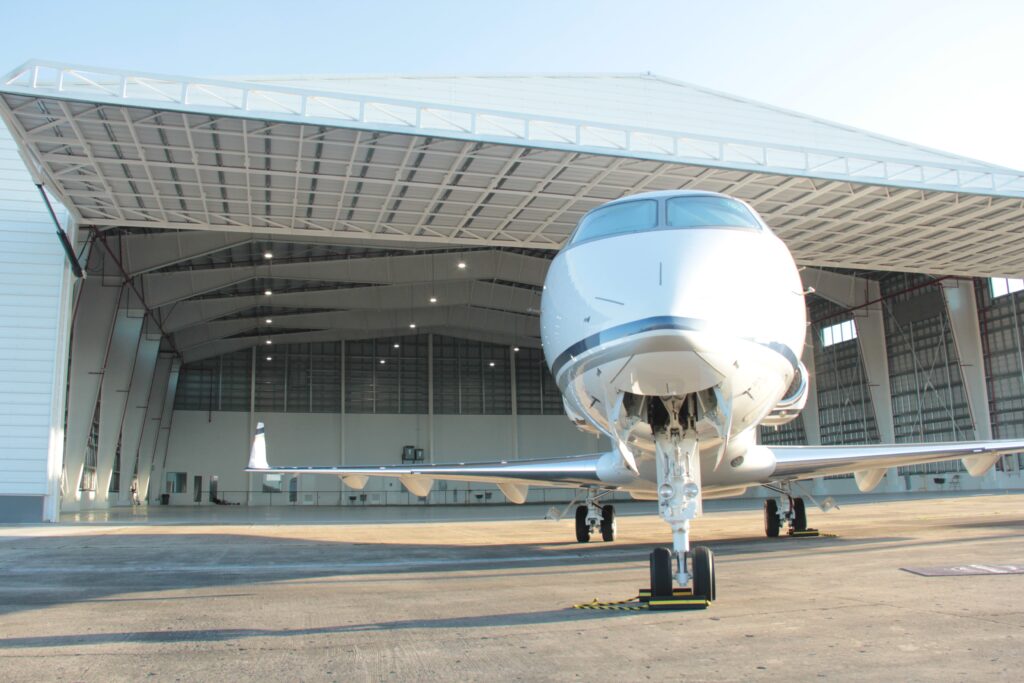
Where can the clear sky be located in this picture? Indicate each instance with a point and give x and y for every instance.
(948, 75)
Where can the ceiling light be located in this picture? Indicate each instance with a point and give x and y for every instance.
(412, 326)
(267, 293)
(268, 255)
(491, 363)
(433, 299)
(462, 265)
(516, 349)
(269, 320)
(270, 358)
(269, 342)
(396, 346)
(382, 361)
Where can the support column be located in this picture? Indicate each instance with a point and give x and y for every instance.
(135, 411)
(871, 338)
(93, 324)
(515, 404)
(141, 461)
(962, 307)
(117, 378)
(430, 398)
(812, 423)
(855, 292)
(156, 471)
(252, 419)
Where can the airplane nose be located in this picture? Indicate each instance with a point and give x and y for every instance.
(706, 289)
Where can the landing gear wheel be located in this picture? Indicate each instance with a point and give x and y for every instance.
(703, 569)
(608, 523)
(772, 524)
(582, 528)
(661, 573)
(799, 515)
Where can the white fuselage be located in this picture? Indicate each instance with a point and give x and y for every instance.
(670, 312)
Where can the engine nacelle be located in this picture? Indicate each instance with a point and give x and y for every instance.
(790, 405)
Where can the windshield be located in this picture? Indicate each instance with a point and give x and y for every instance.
(617, 219)
(704, 211)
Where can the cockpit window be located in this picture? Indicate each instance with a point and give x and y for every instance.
(616, 219)
(704, 211)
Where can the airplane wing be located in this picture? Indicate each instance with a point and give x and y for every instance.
(804, 462)
(512, 476)
(577, 470)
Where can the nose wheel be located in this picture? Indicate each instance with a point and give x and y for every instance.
(701, 571)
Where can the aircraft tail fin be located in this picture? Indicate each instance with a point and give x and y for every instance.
(258, 452)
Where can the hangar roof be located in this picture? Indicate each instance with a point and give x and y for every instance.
(503, 164)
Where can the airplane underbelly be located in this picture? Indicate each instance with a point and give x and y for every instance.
(675, 363)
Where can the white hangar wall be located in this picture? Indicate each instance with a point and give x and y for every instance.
(35, 296)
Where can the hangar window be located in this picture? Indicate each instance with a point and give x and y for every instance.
(471, 378)
(701, 211)
(838, 333)
(618, 219)
(536, 391)
(175, 482)
(386, 376)
(1001, 286)
(220, 383)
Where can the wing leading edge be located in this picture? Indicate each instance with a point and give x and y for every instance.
(577, 470)
(802, 462)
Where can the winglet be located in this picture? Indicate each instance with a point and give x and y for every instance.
(258, 452)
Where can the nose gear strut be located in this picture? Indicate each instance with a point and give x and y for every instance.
(679, 501)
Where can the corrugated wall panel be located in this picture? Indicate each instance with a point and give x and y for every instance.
(31, 272)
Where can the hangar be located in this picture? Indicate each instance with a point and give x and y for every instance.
(357, 262)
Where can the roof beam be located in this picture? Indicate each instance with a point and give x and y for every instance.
(187, 314)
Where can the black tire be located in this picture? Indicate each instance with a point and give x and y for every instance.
(582, 528)
(661, 573)
(608, 525)
(772, 524)
(799, 515)
(702, 567)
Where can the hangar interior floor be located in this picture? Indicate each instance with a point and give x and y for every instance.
(172, 595)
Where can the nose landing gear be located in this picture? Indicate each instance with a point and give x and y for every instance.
(679, 501)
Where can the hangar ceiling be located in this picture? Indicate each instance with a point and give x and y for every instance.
(368, 203)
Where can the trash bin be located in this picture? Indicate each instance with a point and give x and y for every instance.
(165, 499)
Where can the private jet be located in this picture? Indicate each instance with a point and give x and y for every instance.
(674, 323)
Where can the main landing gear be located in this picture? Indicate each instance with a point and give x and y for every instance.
(593, 518)
(786, 510)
